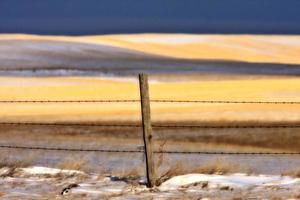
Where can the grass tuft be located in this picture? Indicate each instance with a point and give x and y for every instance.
(10, 162)
(293, 173)
(72, 164)
(217, 166)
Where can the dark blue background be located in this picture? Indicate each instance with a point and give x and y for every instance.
(128, 16)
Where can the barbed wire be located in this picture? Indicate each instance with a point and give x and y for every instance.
(71, 101)
(228, 126)
(267, 126)
(227, 153)
(225, 102)
(154, 100)
(69, 124)
(70, 149)
(141, 151)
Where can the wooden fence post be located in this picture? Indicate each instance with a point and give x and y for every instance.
(147, 129)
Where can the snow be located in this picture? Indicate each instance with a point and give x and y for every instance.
(234, 180)
(92, 190)
(96, 186)
(4, 171)
(46, 170)
(86, 191)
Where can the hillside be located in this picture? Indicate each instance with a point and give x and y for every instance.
(155, 54)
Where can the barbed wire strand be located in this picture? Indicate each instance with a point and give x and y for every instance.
(69, 124)
(70, 101)
(140, 151)
(227, 127)
(225, 102)
(154, 100)
(69, 149)
(228, 153)
(154, 125)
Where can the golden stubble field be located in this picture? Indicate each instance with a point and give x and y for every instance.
(247, 48)
(91, 88)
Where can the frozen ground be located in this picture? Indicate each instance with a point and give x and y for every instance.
(49, 183)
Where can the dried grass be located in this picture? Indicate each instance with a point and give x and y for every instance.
(130, 172)
(161, 156)
(173, 170)
(74, 164)
(293, 173)
(217, 166)
(271, 140)
(91, 137)
(129, 175)
(11, 162)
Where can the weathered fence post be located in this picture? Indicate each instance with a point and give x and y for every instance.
(147, 129)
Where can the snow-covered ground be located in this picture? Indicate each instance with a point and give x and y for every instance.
(49, 171)
(50, 183)
(233, 181)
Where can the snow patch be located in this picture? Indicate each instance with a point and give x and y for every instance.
(234, 180)
(46, 170)
(4, 171)
(86, 191)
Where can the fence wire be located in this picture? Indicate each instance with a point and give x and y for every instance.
(227, 153)
(141, 151)
(71, 101)
(225, 102)
(154, 100)
(266, 126)
(69, 124)
(70, 149)
(281, 126)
